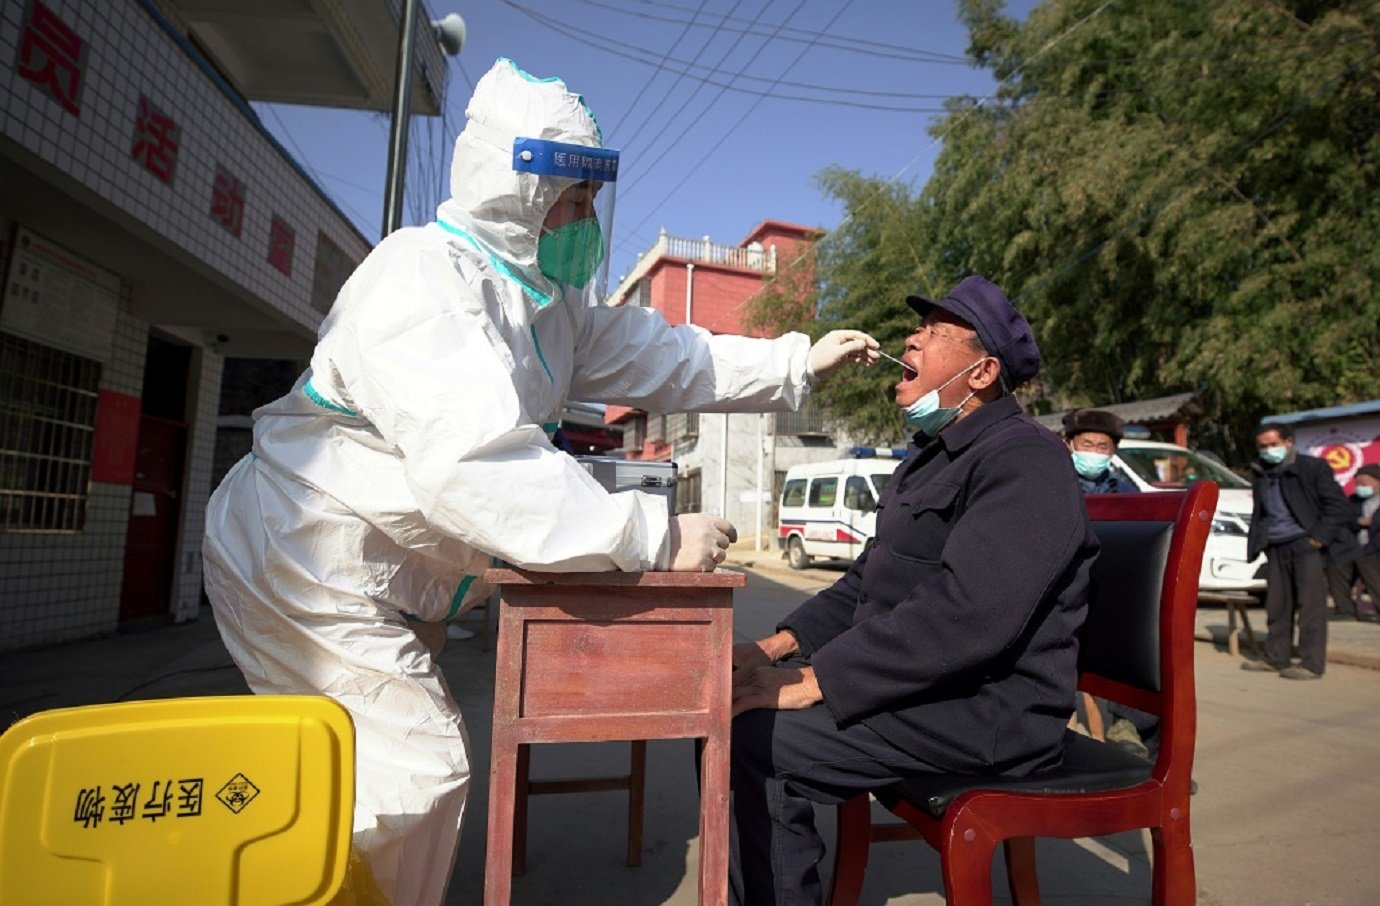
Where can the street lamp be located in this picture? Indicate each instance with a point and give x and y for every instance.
(450, 34)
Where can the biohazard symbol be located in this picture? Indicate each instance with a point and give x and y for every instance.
(1339, 457)
(237, 793)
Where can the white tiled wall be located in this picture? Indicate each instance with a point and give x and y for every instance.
(128, 55)
(55, 587)
(59, 587)
(205, 391)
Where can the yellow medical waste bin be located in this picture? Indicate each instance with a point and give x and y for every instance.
(226, 800)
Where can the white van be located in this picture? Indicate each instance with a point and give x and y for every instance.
(828, 509)
(1156, 466)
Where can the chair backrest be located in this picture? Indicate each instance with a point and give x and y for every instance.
(233, 800)
(1136, 646)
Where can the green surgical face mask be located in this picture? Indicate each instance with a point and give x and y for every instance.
(570, 254)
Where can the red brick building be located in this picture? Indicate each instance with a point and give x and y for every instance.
(728, 464)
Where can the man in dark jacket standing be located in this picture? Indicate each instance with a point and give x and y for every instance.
(1342, 576)
(1300, 516)
(950, 644)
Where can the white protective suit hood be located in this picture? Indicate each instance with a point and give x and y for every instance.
(497, 205)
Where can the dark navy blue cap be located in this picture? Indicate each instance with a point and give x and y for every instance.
(1005, 333)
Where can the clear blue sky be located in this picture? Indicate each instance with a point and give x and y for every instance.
(775, 91)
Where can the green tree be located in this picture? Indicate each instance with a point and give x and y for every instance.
(1179, 195)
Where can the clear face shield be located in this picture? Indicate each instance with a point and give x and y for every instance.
(573, 248)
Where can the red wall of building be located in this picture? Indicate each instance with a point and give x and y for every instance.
(717, 294)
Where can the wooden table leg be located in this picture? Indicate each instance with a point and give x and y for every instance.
(637, 799)
(498, 859)
(1250, 633)
(714, 822)
(503, 767)
(522, 789)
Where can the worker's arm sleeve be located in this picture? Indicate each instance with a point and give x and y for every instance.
(1021, 530)
(428, 368)
(631, 356)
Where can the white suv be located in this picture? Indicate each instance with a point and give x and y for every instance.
(1156, 466)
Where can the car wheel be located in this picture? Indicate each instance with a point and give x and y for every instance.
(796, 553)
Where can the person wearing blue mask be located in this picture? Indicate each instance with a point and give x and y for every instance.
(1093, 436)
(1343, 576)
(1300, 516)
(950, 643)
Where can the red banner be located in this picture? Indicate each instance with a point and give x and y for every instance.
(117, 438)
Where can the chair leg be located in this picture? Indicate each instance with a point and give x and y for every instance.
(1174, 883)
(1021, 877)
(637, 798)
(853, 838)
(967, 868)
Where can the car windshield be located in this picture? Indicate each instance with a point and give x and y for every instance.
(1168, 468)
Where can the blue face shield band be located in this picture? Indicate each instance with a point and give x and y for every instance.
(574, 253)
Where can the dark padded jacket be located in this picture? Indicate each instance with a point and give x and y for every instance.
(954, 635)
(1315, 500)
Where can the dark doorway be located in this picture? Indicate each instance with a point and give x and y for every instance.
(156, 499)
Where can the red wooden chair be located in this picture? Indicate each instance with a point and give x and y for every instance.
(1136, 648)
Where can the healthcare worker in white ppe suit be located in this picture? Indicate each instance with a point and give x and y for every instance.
(414, 452)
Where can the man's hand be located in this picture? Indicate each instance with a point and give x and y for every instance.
(750, 655)
(779, 688)
(699, 542)
(838, 347)
(763, 652)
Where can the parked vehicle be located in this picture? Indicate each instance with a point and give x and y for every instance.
(1156, 466)
(828, 509)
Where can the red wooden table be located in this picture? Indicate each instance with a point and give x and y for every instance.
(590, 657)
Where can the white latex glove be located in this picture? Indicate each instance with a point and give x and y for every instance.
(699, 542)
(838, 347)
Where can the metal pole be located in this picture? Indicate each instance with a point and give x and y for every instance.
(761, 454)
(397, 139)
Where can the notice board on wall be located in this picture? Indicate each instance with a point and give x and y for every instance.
(54, 297)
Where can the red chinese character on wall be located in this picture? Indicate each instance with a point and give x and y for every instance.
(281, 239)
(227, 201)
(156, 140)
(52, 56)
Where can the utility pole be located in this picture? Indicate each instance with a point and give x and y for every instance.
(450, 34)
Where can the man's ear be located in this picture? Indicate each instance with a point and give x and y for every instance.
(985, 374)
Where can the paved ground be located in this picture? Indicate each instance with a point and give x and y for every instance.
(1288, 812)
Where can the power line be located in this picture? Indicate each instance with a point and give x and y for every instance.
(964, 114)
(316, 174)
(660, 64)
(694, 94)
(801, 36)
(739, 122)
(705, 74)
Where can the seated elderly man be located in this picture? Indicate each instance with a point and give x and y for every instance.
(1093, 436)
(949, 645)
